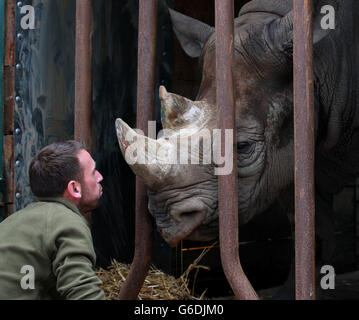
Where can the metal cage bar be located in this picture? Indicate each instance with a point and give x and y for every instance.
(304, 150)
(146, 76)
(83, 71)
(227, 184)
(2, 64)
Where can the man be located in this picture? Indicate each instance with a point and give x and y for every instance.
(46, 249)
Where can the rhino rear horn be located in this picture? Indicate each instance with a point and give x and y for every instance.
(178, 112)
(175, 110)
(191, 33)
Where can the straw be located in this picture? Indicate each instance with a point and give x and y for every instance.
(157, 285)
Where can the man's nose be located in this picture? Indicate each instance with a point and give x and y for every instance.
(100, 177)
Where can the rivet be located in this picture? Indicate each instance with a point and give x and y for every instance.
(17, 99)
(19, 4)
(17, 131)
(17, 163)
(20, 36)
(18, 66)
(18, 195)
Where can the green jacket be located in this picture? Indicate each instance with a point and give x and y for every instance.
(46, 252)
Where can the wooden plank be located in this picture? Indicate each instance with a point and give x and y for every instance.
(9, 92)
(9, 169)
(9, 209)
(8, 105)
(10, 33)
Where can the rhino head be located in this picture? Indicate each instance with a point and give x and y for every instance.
(183, 196)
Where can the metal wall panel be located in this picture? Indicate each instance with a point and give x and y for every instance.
(44, 80)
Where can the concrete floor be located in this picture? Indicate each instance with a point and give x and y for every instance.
(346, 288)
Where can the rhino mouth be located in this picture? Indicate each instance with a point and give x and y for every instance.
(178, 231)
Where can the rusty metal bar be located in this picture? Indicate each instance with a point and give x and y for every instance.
(2, 69)
(227, 184)
(304, 150)
(83, 71)
(146, 81)
(9, 106)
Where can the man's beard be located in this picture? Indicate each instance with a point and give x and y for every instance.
(86, 204)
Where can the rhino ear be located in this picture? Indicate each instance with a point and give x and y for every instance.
(191, 33)
(281, 30)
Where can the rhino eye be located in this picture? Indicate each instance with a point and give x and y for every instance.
(243, 147)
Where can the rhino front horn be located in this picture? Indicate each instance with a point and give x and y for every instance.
(151, 160)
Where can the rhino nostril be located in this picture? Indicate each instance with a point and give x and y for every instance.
(191, 210)
(178, 216)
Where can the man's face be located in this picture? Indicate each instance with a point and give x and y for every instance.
(91, 188)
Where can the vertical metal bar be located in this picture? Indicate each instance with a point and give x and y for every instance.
(356, 222)
(227, 184)
(2, 32)
(146, 77)
(304, 150)
(83, 71)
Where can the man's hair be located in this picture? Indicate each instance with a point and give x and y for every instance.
(54, 167)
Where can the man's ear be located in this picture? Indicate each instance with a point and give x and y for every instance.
(74, 189)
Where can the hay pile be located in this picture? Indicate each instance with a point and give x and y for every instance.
(157, 285)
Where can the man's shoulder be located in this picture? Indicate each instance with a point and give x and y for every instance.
(42, 210)
(52, 207)
(31, 211)
(60, 216)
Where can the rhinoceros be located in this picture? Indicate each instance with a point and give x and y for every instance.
(183, 197)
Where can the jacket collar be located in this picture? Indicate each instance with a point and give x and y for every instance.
(61, 200)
